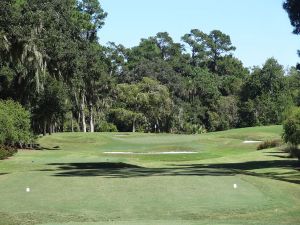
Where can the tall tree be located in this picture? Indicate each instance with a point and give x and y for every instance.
(93, 15)
(196, 41)
(147, 102)
(292, 7)
(218, 44)
(265, 94)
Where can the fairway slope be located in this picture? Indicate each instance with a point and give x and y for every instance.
(73, 181)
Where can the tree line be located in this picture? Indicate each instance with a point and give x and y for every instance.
(51, 62)
(291, 123)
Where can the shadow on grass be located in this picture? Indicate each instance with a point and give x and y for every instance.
(283, 156)
(93, 165)
(3, 174)
(123, 170)
(55, 148)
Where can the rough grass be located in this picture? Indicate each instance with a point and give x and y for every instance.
(73, 182)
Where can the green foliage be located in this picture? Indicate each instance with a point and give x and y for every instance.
(147, 101)
(104, 126)
(51, 106)
(126, 120)
(227, 110)
(14, 124)
(231, 66)
(207, 49)
(191, 128)
(265, 95)
(7, 151)
(53, 64)
(293, 8)
(293, 81)
(291, 127)
(247, 114)
(70, 124)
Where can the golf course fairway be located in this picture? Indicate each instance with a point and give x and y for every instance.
(123, 179)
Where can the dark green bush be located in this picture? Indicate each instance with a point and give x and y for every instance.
(291, 127)
(14, 124)
(269, 144)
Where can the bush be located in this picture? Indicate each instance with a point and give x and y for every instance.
(193, 129)
(6, 152)
(14, 124)
(291, 127)
(104, 126)
(293, 151)
(269, 144)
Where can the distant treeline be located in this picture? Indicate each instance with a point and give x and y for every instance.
(52, 64)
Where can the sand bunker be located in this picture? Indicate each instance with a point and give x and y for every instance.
(251, 142)
(151, 153)
(121, 135)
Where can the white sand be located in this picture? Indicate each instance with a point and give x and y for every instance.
(150, 153)
(251, 142)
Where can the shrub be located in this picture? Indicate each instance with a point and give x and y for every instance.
(14, 124)
(104, 126)
(189, 128)
(291, 127)
(293, 151)
(6, 152)
(269, 144)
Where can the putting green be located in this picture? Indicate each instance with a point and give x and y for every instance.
(72, 181)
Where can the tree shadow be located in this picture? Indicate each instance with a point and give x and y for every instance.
(282, 156)
(3, 174)
(250, 168)
(124, 170)
(93, 165)
(55, 148)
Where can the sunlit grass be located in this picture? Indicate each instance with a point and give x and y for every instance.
(73, 181)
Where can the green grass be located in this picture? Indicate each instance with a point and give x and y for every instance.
(72, 181)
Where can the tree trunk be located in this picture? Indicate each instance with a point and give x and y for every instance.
(158, 129)
(79, 118)
(72, 125)
(50, 128)
(45, 128)
(83, 115)
(92, 127)
(83, 121)
(133, 125)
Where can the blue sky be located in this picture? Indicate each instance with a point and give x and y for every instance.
(258, 28)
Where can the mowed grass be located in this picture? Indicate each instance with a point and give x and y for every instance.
(73, 180)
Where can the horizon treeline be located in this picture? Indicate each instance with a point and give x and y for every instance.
(52, 64)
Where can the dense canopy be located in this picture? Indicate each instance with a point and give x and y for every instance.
(52, 64)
